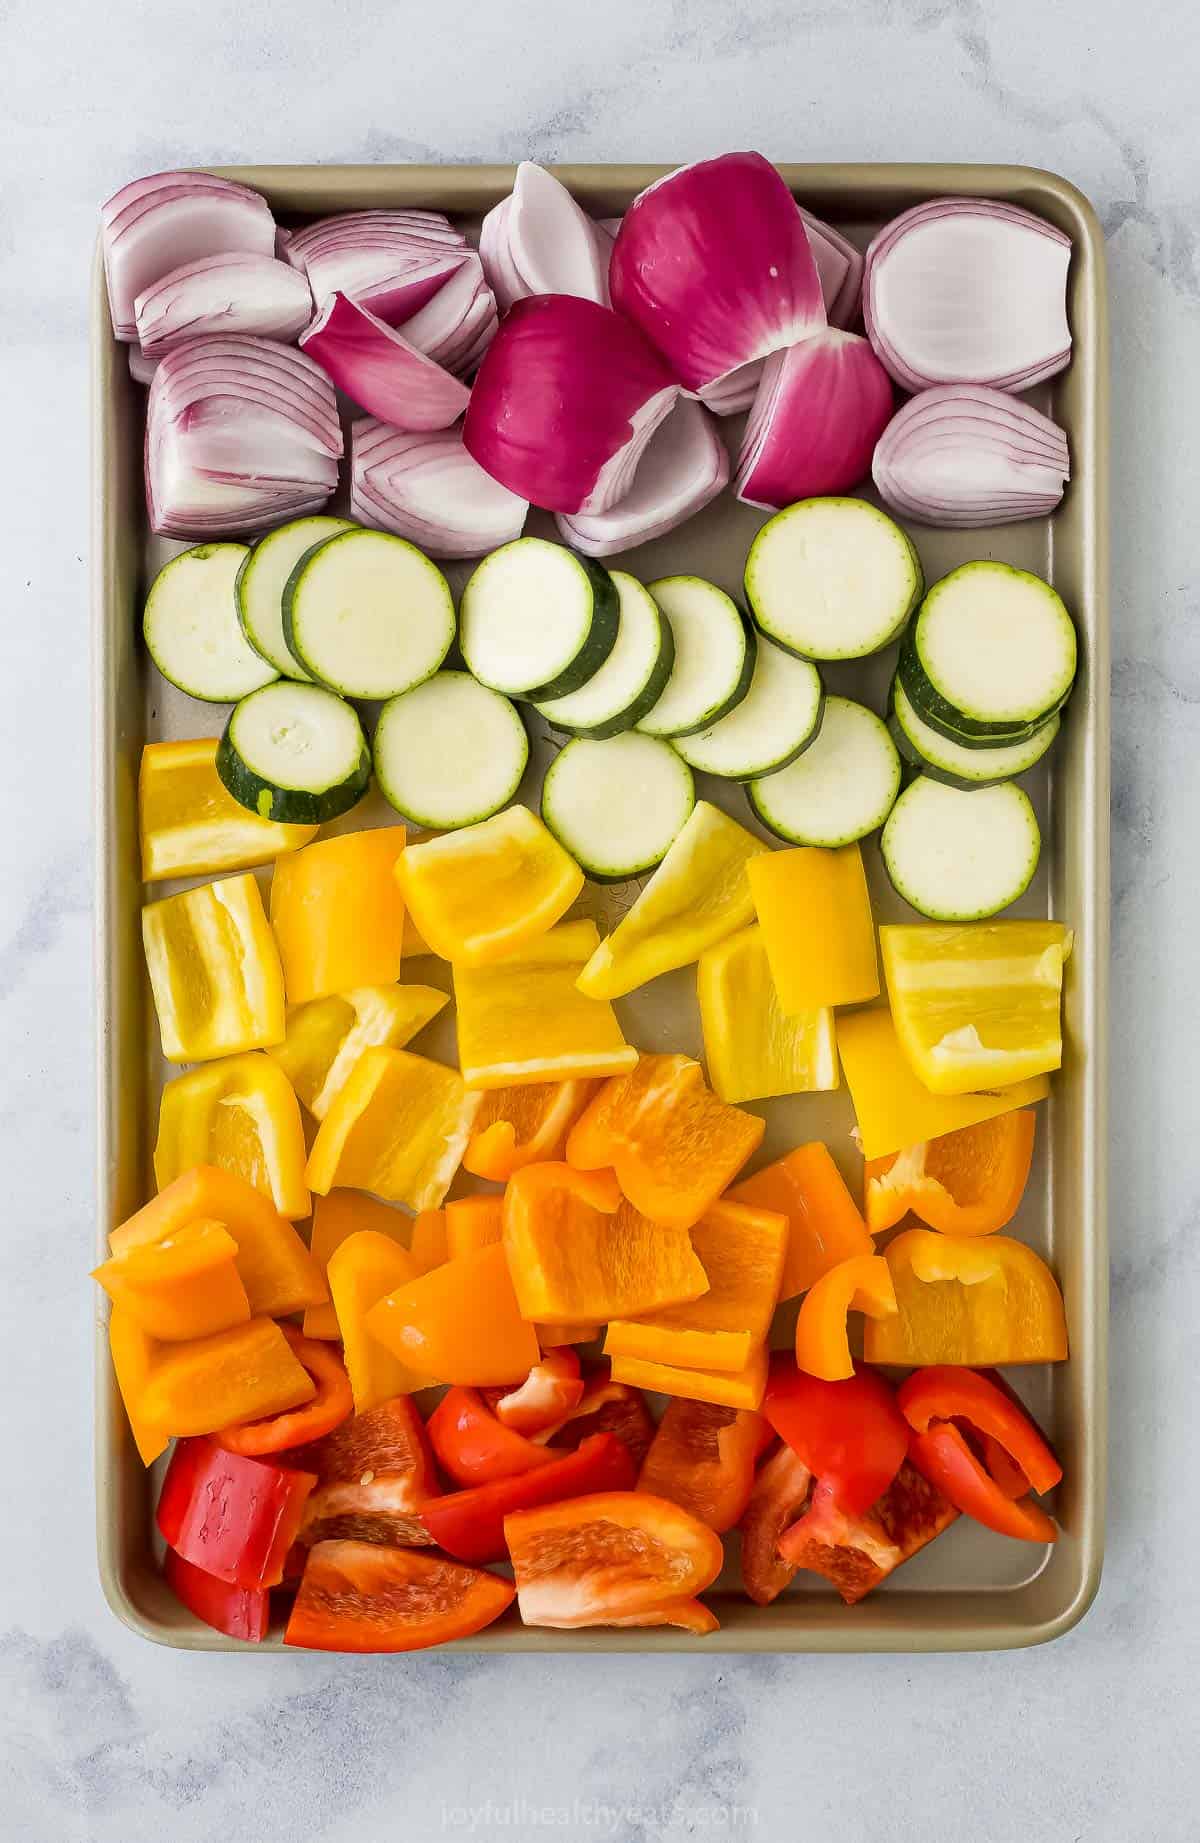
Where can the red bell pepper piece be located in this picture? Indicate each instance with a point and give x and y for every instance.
(552, 1388)
(607, 1407)
(374, 1474)
(850, 1434)
(943, 1392)
(937, 1401)
(233, 1516)
(470, 1524)
(944, 1458)
(360, 1596)
(332, 1404)
(473, 1447)
(779, 1495)
(703, 1456)
(239, 1612)
(857, 1551)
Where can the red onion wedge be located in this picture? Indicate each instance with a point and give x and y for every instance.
(714, 265)
(390, 262)
(425, 487)
(840, 268)
(160, 223)
(685, 466)
(380, 370)
(821, 407)
(235, 293)
(963, 455)
(968, 291)
(455, 328)
(539, 241)
(141, 368)
(566, 399)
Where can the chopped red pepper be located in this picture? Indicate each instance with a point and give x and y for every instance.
(470, 1524)
(939, 1403)
(607, 1407)
(233, 1516)
(239, 1612)
(850, 1434)
(332, 1404)
(551, 1390)
(944, 1392)
(857, 1551)
(374, 1474)
(944, 1458)
(702, 1456)
(779, 1495)
(359, 1596)
(473, 1447)
(614, 1556)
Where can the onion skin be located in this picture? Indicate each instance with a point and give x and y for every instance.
(963, 455)
(821, 407)
(380, 370)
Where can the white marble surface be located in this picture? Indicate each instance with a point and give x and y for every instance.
(104, 1739)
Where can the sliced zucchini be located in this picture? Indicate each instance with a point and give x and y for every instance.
(714, 657)
(449, 752)
(190, 624)
(952, 763)
(778, 719)
(367, 614)
(840, 789)
(961, 856)
(616, 805)
(262, 579)
(991, 655)
(296, 753)
(632, 678)
(537, 620)
(833, 579)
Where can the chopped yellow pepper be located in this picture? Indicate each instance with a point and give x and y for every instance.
(362, 1271)
(133, 1354)
(752, 1048)
(338, 914)
(973, 1299)
(523, 1019)
(488, 890)
(398, 1128)
(336, 1218)
(184, 1286)
(239, 1375)
(815, 911)
(190, 826)
(241, 1115)
(414, 946)
(214, 971)
(699, 894)
(326, 1037)
(743, 1388)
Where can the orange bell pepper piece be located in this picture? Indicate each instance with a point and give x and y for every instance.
(365, 1597)
(427, 1244)
(966, 1300)
(863, 1284)
(524, 1126)
(238, 1375)
(824, 1226)
(364, 1270)
(133, 1355)
(743, 1388)
(186, 1286)
(338, 914)
(702, 1457)
(473, 1222)
(612, 1555)
(332, 1404)
(459, 1323)
(577, 1251)
(278, 1272)
(551, 1335)
(814, 909)
(966, 1183)
(335, 1218)
(674, 1146)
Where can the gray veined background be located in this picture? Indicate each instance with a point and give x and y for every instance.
(104, 1739)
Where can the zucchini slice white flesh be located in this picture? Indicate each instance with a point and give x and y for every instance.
(190, 624)
(537, 621)
(714, 657)
(958, 856)
(449, 752)
(296, 753)
(840, 789)
(367, 614)
(779, 717)
(632, 678)
(832, 579)
(991, 654)
(942, 760)
(617, 805)
(263, 578)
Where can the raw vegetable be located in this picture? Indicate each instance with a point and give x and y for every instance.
(861, 1284)
(850, 1434)
(191, 629)
(428, 1241)
(364, 1269)
(141, 369)
(235, 1517)
(133, 1352)
(189, 826)
(538, 621)
(455, 327)
(959, 856)
(552, 1389)
(240, 1114)
(329, 1407)
(953, 763)
(235, 292)
(684, 468)
(824, 1227)
(523, 1019)
(814, 910)
(740, 1388)
(366, 614)
(968, 290)
(780, 1493)
(459, 1323)
(473, 1447)
(380, 370)
(360, 1596)
(214, 970)
(608, 1407)
(326, 1036)
(752, 1049)
(235, 1375)
(614, 1554)
(450, 752)
(489, 890)
(539, 241)
(154, 225)
(186, 1287)
(425, 487)
(856, 1552)
(312, 896)
(262, 579)
(617, 805)
(968, 1299)
(397, 1128)
(238, 1612)
(932, 1399)
(392, 262)
(963, 455)
(470, 1524)
(966, 1183)
(702, 1458)
(842, 787)
(944, 1457)
(631, 679)
(832, 579)
(775, 722)
(471, 1223)
(375, 1475)
(294, 753)
(336, 1218)
(567, 397)
(839, 269)
(714, 657)
(819, 410)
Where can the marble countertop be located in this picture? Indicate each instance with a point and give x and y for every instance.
(106, 1739)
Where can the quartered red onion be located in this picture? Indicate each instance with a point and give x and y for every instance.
(230, 293)
(685, 466)
(964, 455)
(821, 407)
(539, 241)
(455, 328)
(380, 370)
(968, 291)
(160, 223)
(141, 368)
(426, 487)
(390, 262)
(840, 268)
(566, 399)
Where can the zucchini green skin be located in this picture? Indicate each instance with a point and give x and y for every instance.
(758, 774)
(912, 755)
(289, 625)
(946, 718)
(600, 640)
(289, 593)
(647, 697)
(739, 690)
(292, 805)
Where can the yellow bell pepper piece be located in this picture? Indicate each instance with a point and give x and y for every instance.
(133, 1354)
(894, 1109)
(190, 827)
(184, 1286)
(815, 911)
(214, 971)
(338, 914)
(488, 890)
(522, 1019)
(699, 894)
(362, 1271)
(212, 1382)
(241, 1115)
(414, 946)
(752, 1049)
(326, 1037)
(742, 1388)
(336, 1218)
(971, 1299)
(398, 1128)
(977, 1005)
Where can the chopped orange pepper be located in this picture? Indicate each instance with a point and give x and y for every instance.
(332, 1404)
(427, 1244)
(459, 1323)
(186, 1286)
(473, 1222)
(862, 1284)
(824, 1226)
(524, 1126)
(741, 1388)
(674, 1146)
(966, 1183)
(240, 1113)
(968, 1300)
(703, 1456)
(338, 914)
(814, 909)
(609, 1556)
(133, 1354)
(362, 1271)
(397, 1128)
(239, 1375)
(335, 1218)
(550, 1336)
